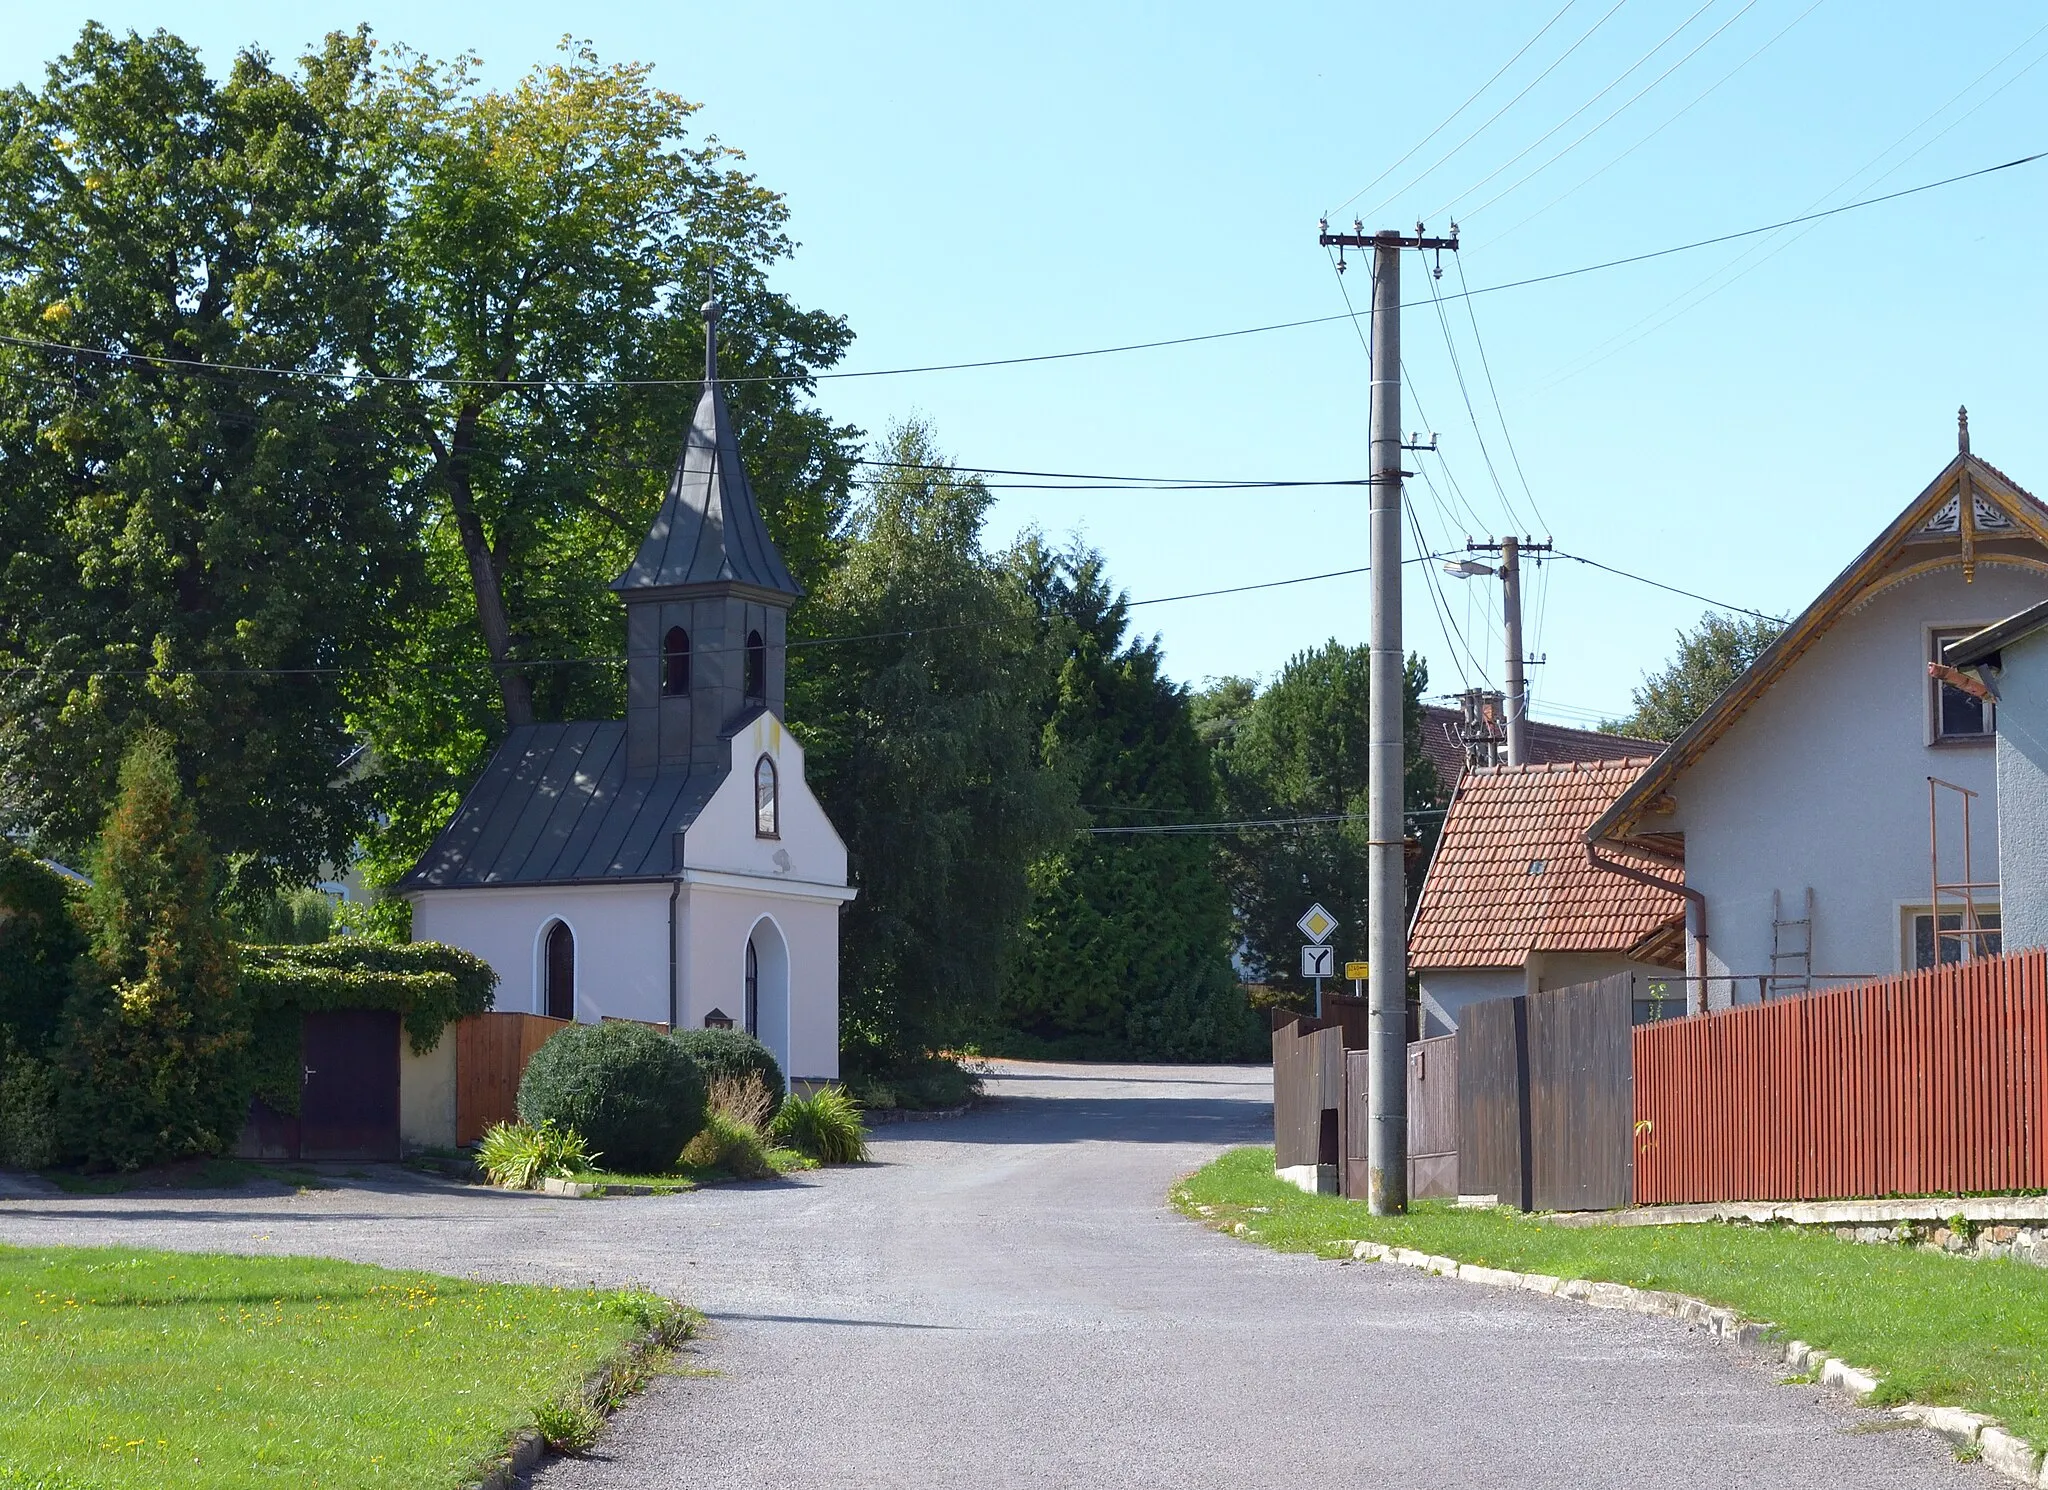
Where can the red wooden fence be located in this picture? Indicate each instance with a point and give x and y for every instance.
(1930, 1084)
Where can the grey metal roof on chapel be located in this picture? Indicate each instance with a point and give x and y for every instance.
(709, 528)
(555, 806)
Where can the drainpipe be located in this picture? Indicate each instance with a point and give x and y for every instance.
(1693, 897)
(675, 890)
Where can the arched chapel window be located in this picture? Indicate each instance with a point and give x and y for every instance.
(675, 663)
(559, 971)
(767, 809)
(757, 669)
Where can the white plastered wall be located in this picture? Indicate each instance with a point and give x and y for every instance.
(1447, 991)
(2023, 792)
(1823, 782)
(621, 933)
(426, 1094)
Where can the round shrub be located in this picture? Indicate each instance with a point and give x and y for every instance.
(733, 1053)
(635, 1097)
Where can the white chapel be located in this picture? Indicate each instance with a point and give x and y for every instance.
(672, 867)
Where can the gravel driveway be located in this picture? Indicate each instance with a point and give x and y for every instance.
(1003, 1299)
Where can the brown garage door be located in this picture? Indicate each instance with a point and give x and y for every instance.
(348, 1108)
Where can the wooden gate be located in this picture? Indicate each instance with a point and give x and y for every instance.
(1433, 1118)
(1544, 1097)
(348, 1106)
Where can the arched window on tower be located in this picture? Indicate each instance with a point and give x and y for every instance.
(558, 970)
(767, 804)
(757, 669)
(675, 663)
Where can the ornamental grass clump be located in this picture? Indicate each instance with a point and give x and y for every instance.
(732, 1137)
(825, 1125)
(518, 1156)
(636, 1097)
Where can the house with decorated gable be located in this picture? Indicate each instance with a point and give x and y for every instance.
(671, 867)
(1816, 805)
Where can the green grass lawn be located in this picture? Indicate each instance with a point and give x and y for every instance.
(1936, 1329)
(121, 1368)
(691, 1176)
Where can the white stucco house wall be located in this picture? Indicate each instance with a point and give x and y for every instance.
(1811, 774)
(2010, 661)
(672, 867)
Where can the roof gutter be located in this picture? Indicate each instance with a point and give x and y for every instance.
(1692, 897)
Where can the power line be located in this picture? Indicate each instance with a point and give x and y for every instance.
(1319, 819)
(486, 665)
(1499, 413)
(1622, 340)
(1636, 98)
(348, 377)
(1621, 78)
(1415, 181)
(1644, 579)
(1697, 99)
(1458, 369)
(1452, 116)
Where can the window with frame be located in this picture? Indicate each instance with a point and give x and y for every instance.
(1958, 715)
(675, 663)
(756, 670)
(1921, 943)
(767, 806)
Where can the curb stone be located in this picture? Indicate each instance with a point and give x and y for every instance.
(2005, 1452)
(601, 1389)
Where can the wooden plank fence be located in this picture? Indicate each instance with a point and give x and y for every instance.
(1308, 1093)
(1934, 1083)
(1543, 1097)
(491, 1052)
(1433, 1117)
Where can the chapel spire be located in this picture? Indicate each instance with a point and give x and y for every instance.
(707, 601)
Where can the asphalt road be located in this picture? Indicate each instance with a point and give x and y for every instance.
(1003, 1299)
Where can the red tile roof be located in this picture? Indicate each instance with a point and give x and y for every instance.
(1547, 742)
(1511, 873)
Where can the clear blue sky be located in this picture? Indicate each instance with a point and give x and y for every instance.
(975, 181)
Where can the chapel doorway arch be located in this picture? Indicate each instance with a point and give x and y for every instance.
(767, 988)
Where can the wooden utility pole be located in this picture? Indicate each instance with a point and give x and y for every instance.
(1386, 1142)
(1511, 550)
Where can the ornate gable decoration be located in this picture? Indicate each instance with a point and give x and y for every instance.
(1947, 522)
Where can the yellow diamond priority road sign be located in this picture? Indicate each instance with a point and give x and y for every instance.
(1316, 924)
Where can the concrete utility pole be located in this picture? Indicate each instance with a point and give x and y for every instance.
(1511, 550)
(1386, 1142)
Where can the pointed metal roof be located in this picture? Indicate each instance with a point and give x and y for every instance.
(709, 529)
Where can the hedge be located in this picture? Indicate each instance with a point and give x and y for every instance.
(430, 984)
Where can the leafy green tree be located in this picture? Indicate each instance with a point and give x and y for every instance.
(1710, 657)
(1126, 950)
(553, 242)
(213, 555)
(923, 743)
(1298, 750)
(40, 944)
(153, 1047)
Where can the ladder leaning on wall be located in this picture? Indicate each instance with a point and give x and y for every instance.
(1791, 947)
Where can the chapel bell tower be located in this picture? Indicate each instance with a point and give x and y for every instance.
(707, 602)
